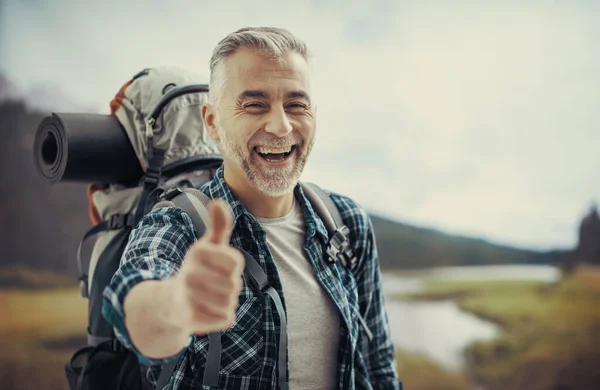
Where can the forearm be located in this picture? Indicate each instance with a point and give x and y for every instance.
(149, 258)
(148, 319)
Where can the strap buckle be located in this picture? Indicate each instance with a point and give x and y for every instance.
(116, 346)
(117, 221)
(83, 286)
(152, 177)
(155, 163)
(338, 247)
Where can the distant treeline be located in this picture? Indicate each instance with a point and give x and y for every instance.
(42, 224)
(405, 246)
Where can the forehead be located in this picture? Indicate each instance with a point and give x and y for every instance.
(247, 70)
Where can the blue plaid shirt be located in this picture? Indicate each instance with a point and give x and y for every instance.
(156, 249)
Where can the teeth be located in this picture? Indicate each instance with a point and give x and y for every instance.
(272, 150)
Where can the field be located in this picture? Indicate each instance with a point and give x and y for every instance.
(38, 336)
(418, 372)
(45, 326)
(550, 338)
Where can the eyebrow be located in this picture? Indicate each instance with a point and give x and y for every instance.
(299, 94)
(249, 94)
(252, 93)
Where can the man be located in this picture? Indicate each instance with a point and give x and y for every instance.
(171, 290)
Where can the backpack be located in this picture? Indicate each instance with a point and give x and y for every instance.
(159, 109)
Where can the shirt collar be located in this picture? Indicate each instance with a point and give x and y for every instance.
(218, 188)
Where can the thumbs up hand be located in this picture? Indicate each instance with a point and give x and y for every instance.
(205, 291)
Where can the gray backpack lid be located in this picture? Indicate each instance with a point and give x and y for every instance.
(179, 128)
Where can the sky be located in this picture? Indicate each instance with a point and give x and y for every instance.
(474, 119)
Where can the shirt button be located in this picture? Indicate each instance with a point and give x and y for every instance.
(263, 253)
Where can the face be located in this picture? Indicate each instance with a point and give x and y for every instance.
(265, 121)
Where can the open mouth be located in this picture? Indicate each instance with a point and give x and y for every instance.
(274, 154)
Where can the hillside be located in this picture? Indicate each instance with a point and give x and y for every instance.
(405, 246)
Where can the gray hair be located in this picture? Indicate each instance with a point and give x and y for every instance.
(268, 41)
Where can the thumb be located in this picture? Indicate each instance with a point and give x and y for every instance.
(219, 228)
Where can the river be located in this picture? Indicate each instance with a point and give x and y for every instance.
(441, 330)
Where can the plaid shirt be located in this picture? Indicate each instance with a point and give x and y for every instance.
(156, 249)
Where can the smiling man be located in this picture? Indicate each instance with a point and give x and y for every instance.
(172, 290)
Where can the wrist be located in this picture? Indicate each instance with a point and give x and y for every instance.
(170, 306)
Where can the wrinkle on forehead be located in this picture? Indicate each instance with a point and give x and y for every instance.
(246, 69)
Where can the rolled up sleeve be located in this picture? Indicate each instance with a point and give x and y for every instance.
(155, 250)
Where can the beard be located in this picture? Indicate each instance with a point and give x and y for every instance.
(270, 181)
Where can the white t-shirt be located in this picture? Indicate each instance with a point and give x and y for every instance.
(313, 320)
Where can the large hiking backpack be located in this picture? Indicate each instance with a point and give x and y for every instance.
(160, 110)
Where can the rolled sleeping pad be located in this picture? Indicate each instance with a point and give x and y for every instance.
(87, 148)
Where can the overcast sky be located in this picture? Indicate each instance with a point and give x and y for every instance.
(480, 120)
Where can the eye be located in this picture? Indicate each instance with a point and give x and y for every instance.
(255, 107)
(296, 107)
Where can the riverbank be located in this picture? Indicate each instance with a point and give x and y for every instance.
(550, 335)
(419, 372)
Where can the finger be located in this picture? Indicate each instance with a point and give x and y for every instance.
(213, 283)
(214, 301)
(219, 228)
(228, 261)
(212, 325)
(204, 322)
(205, 309)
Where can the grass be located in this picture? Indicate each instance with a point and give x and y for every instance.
(37, 319)
(19, 277)
(550, 338)
(44, 327)
(418, 372)
(42, 330)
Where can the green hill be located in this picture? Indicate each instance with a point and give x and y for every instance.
(406, 246)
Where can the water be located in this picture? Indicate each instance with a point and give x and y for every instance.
(440, 329)
(541, 273)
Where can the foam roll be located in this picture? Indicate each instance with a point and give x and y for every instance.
(86, 148)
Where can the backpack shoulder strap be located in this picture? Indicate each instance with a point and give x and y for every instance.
(116, 221)
(320, 198)
(338, 247)
(195, 204)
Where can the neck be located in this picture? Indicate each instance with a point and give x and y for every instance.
(256, 202)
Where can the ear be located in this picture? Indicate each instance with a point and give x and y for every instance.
(210, 123)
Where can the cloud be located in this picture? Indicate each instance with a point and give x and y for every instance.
(477, 119)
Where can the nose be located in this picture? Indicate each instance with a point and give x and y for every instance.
(278, 122)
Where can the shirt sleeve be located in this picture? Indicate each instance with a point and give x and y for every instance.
(155, 250)
(378, 354)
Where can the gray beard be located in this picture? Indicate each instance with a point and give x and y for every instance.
(272, 182)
